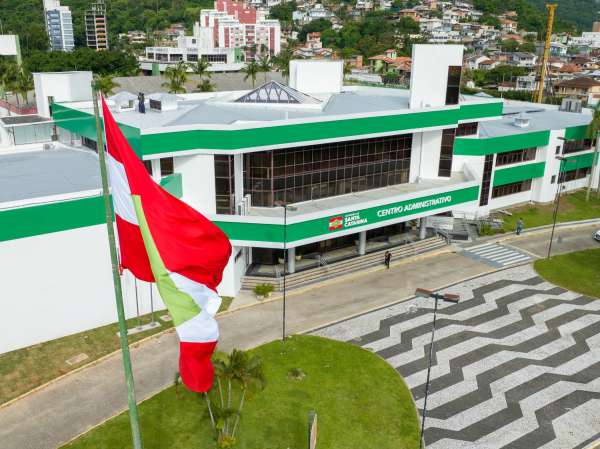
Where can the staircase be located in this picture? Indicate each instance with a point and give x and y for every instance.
(330, 270)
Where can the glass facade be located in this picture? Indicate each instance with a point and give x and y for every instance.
(312, 172)
(573, 146)
(514, 157)
(467, 129)
(28, 134)
(453, 86)
(578, 173)
(224, 184)
(488, 164)
(446, 151)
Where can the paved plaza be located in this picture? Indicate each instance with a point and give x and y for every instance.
(516, 363)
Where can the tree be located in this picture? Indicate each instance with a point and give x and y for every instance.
(201, 68)
(264, 65)
(177, 76)
(283, 12)
(282, 62)
(106, 84)
(594, 133)
(407, 25)
(242, 375)
(23, 84)
(251, 70)
(206, 86)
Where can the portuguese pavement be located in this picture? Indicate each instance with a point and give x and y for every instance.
(516, 363)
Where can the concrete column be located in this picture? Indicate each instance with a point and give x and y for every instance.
(362, 243)
(422, 228)
(156, 172)
(291, 260)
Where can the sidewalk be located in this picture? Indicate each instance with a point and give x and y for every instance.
(51, 416)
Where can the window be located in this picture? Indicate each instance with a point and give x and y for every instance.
(511, 189)
(486, 180)
(572, 146)
(467, 129)
(166, 166)
(321, 171)
(553, 179)
(558, 148)
(513, 157)
(446, 150)
(578, 173)
(148, 166)
(224, 184)
(453, 86)
(215, 58)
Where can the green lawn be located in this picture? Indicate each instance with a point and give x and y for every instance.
(361, 403)
(572, 207)
(24, 369)
(578, 271)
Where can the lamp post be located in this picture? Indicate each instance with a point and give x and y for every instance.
(286, 207)
(563, 160)
(446, 297)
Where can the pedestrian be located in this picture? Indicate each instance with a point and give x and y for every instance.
(520, 226)
(388, 259)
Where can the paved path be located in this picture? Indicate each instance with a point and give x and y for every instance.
(516, 364)
(51, 416)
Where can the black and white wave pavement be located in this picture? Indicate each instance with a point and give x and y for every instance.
(516, 362)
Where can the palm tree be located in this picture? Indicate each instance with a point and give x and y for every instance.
(251, 70)
(177, 76)
(106, 84)
(594, 132)
(282, 62)
(264, 65)
(248, 371)
(23, 84)
(206, 86)
(201, 68)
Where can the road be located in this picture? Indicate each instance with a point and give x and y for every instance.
(51, 416)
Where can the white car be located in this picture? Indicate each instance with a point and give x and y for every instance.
(597, 236)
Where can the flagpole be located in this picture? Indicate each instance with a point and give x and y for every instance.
(133, 411)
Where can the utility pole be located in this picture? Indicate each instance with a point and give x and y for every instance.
(551, 11)
(133, 411)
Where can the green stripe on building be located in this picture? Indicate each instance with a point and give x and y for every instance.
(238, 139)
(581, 161)
(327, 227)
(576, 132)
(53, 217)
(518, 173)
(483, 146)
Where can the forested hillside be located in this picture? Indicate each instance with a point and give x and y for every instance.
(580, 12)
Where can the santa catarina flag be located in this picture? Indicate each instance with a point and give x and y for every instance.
(163, 240)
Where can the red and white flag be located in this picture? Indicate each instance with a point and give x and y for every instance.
(164, 240)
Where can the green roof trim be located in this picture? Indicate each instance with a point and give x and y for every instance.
(468, 146)
(518, 173)
(240, 139)
(576, 132)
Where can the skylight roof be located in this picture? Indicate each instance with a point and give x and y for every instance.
(274, 92)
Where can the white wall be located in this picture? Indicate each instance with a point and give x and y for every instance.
(64, 87)
(8, 45)
(59, 284)
(233, 273)
(431, 142)
(509, 200)
(429, 77)
(198, 181)
(313, 76)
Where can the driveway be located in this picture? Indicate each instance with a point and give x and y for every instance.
(516, 363)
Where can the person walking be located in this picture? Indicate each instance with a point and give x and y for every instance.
(387, 259)
(520, 226)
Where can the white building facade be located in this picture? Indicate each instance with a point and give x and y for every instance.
(59, 26)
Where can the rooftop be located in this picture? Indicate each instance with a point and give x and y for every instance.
(36, 174)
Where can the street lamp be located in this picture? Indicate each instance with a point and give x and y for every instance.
(561, 177)
(286, 207)
(446, 297)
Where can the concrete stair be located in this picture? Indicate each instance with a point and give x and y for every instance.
(334, 269)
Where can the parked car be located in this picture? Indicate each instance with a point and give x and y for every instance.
(597, 236)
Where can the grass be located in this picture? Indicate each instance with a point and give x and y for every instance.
(573, 207)
(25, 369)
(360, 400)
(578, 271)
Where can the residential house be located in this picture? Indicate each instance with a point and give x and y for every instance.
(582, 87)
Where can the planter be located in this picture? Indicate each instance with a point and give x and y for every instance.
(298, 257)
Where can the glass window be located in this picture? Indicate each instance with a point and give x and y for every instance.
(513, 157)
(224, 184)
(446, 151)
(486, 180)
(166, 166)
(467, 129)
(321, 171)
(511, 189)
(453, 86)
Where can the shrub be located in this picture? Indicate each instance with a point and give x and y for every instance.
(263, 289)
